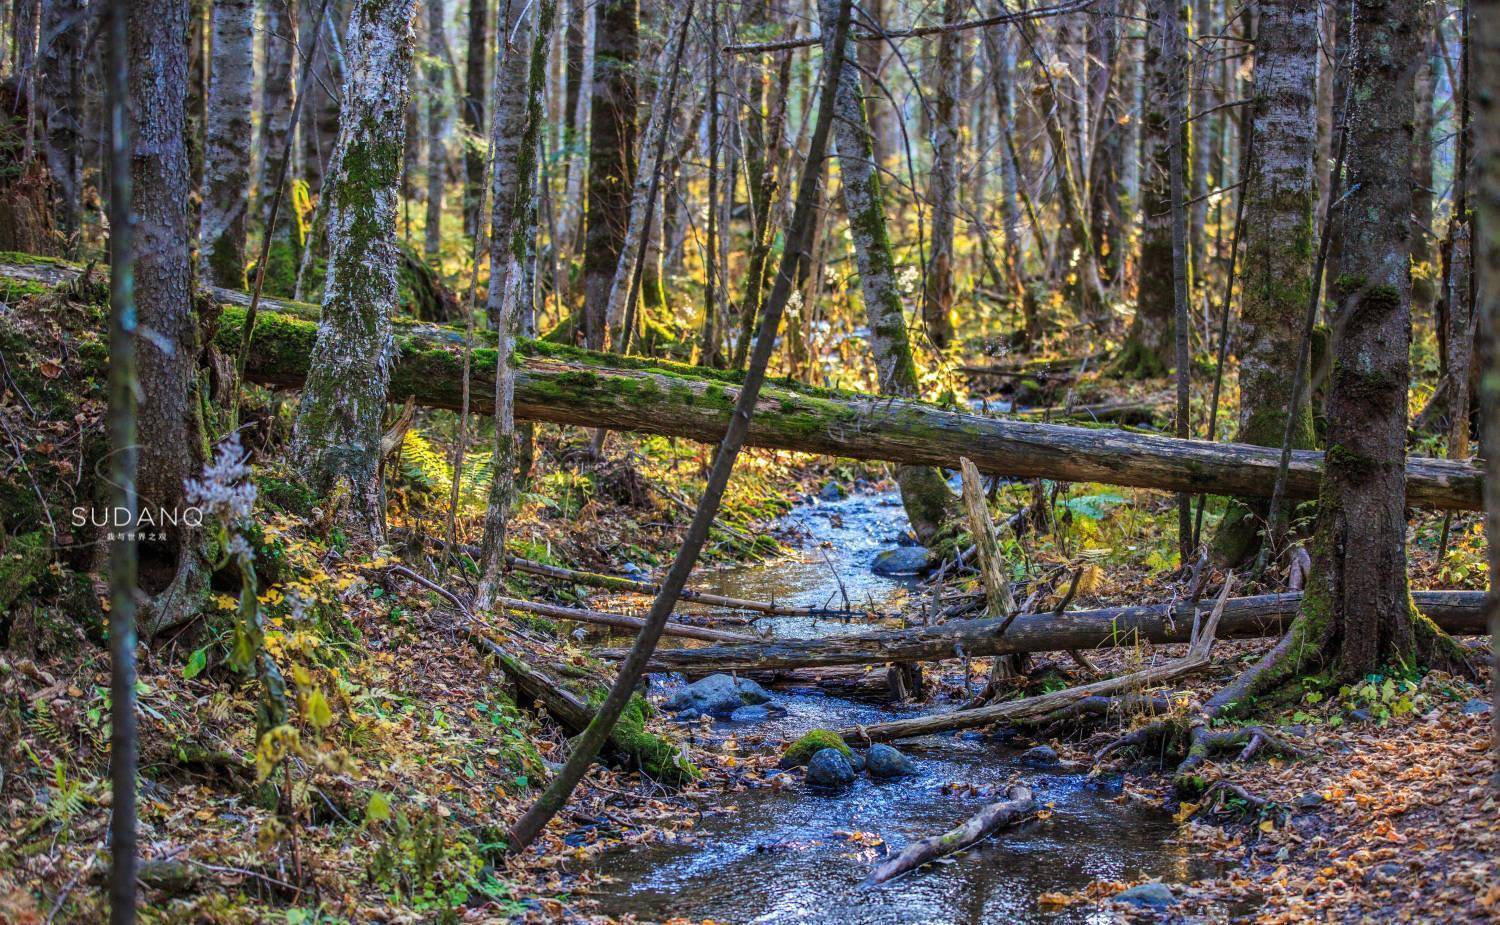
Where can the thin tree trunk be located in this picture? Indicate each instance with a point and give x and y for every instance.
(476, 68)
(507, 127)
(1149, 346)
(226, 170)
(60, 101)
(1176, 55)
(1424, 293)
(124, 449)
(1202, 132)
(278, 91)
(924, 493)
(937, 296)
(437, 114)
(513, 309)
(1484, 48)
(611, 156)
(336, 438)
(1108, 196)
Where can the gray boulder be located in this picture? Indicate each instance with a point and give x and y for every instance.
(831, 491)
(901, 561)
(1153, 895)
(716, 695)
(1040, 757)
(829, 769)
(1475, 707)
(885, 761)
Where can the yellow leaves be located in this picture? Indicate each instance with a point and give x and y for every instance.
(270, 597)
(225, 602)
(378, 809)
(274, 747)
(1267, 826)
(1184, 812)
(316, 711)
(1089, 579)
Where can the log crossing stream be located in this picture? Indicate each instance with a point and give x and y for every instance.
(790, 854)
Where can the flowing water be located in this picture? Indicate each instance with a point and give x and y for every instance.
(786, 854)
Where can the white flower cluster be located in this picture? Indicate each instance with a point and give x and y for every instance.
(225, 492)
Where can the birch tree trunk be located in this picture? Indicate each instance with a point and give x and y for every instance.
(611, 156)
(514, 306)
(336, 439)
(580, 104)
(1484, 47)
(1357, 612)
(171, 436)
(507, 126)
(1202, 131)
(277, 93)
(1279, 248)
(437, 114)
(1108, 198)
(226, 169)
(1424, 290)
(928, 502)
(937, 294)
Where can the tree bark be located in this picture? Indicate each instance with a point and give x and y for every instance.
(507, 126)
(1278, 239)
(171, 434)
(611, 156)
(437, 114)
(937, 294)
(226, 171)
(1148, 349)
(1484, 47)
(1358, 613)
(62, 107)
(928, 502)
(1458, 612)
(1017, 806)
(476, 56)
(336, 438)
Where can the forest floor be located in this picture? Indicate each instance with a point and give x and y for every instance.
(411, 758)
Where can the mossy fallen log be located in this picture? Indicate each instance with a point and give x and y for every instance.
(565, 385)
(1457, 612)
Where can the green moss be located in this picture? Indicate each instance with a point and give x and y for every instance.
(801, 751)
(656, 755)
(23, 561)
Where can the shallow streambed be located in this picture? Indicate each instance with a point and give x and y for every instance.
(787, 855)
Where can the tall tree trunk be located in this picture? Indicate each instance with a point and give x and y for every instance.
(937, 295)
(1202, 132)
(1424, 288)
(320, 107)
(611, 156)
(507, 127)
(1278, 242)
(60, 101)
(1108, 83)
(477, 50)
(514, 310)
(1343, 19)
(336, 439)
(885, 134)
(928, 502)
(437, 114)
(1484, 49)
(998, 51)
(277, 93)
(171, 434)
(1357, 612)
(1148, 347)
(580, 94)
(226, 169)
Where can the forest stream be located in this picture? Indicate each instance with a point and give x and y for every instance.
(790, 854)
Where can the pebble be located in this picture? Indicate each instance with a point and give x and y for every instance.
(1155, 895)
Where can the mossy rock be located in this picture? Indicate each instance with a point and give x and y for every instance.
(801, 751)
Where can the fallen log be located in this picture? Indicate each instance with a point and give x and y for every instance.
(620, 621)
(632, 586)
(1458, 612)
(1031, 708)
(1017, 806)
(564, 385)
